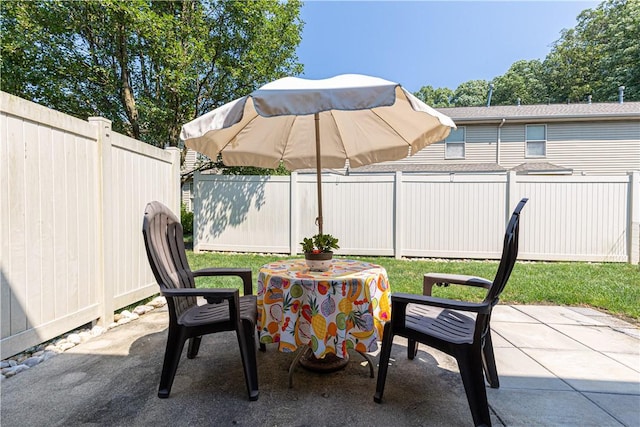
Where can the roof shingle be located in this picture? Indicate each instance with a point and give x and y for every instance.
(542, 112)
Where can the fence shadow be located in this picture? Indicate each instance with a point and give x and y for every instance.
(227, 203)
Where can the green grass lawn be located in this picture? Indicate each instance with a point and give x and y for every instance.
(609, 287)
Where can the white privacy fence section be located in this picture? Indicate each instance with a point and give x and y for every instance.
(570, 218)
(453, 216)
(247, 213)
(72, 197)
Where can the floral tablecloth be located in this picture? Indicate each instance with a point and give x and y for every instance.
(332, 311)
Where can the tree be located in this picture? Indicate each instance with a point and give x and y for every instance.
(524, 80)
(471, 94)
(149, 66)
(597, 56)
(437, 98)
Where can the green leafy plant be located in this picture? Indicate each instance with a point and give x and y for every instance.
(186, 219)
(319, 243)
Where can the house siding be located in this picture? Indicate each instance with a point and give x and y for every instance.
(433, 153)
(580, 146)
(190, 159)
(480, 147)
(481, 144)
(512, 151)
(186, 196)
(583, 147)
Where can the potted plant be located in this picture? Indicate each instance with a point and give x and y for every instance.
(318, 251)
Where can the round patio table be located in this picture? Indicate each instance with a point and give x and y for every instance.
(323, 315)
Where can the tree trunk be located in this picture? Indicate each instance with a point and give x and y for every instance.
(126, 92)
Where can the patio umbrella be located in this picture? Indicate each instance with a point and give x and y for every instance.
(318, 123)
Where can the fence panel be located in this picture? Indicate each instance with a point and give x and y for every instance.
(63, 204)
(356, 209)
(572, 218)
(48, 253)
(140, 173)
(575, 218)
(453, 216)
(241, 213)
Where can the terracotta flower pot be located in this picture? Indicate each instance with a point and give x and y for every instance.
(320, 261)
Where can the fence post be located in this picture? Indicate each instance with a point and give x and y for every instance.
(634, 218)
(293, 213)
(196, 209)
(397, 206)
(105, 200)
(511, 195)
(175, 179)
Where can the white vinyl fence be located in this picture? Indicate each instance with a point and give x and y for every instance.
(72, 198)
(572, 218)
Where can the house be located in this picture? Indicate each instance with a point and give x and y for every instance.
(583, 139)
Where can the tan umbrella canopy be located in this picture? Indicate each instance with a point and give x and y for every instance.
(318, 123)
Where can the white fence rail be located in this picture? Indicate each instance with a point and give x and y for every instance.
(571, 218)
(72, 196)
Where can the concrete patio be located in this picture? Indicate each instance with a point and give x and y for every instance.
(557, 366)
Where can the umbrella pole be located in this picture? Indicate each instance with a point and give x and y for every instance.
(316, 117)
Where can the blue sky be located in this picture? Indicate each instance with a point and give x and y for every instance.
(437, 43)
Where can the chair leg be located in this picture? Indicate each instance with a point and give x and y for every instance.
(175, 345)
(489, 363)
(383, 364)
(247, 343)
(473, 380)
(412, 349)
(194, 346)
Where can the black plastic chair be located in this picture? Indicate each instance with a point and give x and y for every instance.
(458, 328)
(225, 310)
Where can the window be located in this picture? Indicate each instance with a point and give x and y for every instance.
(454, 144)
(536, 141)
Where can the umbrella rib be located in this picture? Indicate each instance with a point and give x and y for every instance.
(287, 137)
(239, 130)
(236, 134)
(381, 119)
(339, 134)
(390, 127)
(410, 147)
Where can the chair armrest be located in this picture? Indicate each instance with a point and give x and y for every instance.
(402, 299)
(243, 273)
(431, 279)
(212, 296)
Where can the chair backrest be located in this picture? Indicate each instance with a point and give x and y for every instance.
(164, 243)
(509, 255)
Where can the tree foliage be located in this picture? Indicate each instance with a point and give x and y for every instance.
(471, 94)
(600, 54)
(440, 97)
(149, 66)
(523, 81)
